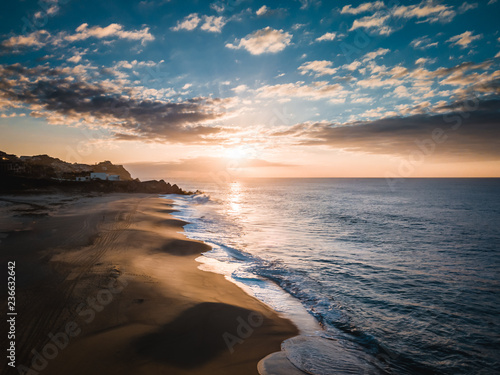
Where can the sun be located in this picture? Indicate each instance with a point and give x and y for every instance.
(237, 152)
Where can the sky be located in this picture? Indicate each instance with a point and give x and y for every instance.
(244, 88)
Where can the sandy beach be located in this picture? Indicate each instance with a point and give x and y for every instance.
(109, 285)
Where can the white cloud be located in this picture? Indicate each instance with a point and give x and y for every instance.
(424, 60)
(464, 39)
(466, 6)
(401, 92)
(41, 38)
(267, 40)
(375, 23)
(361, 100)
(262, 10)
(113, 30)
(213, 24)
(4, 115)
(315, 91)
(372, 55)
(366, 7)
(189, 23)
(375, 112)
(307, 3)
(321, 68)
(352, 66)
(239, 89)
(327, 36)
(428, 11)
(492, 2)
(134, 64)
(76, 58)
(423, 43)
(50, 11)
(219, 8)
(35, 39)
(374, 82)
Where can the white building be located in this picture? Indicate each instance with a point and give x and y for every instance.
(98, 176)
(102, 176)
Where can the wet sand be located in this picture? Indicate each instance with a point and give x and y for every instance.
(109, 285)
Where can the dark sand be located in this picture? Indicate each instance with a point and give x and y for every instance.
(117, 273)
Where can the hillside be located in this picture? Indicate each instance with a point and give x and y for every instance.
(54, 167)
(45, 173)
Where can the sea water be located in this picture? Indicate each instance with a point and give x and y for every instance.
(408, 278)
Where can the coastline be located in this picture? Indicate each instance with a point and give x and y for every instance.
(112, 284)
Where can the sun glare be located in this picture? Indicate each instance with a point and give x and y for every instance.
(238, 152)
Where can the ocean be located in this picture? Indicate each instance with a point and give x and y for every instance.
(408, 278)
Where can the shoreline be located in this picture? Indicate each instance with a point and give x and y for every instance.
(121, 269)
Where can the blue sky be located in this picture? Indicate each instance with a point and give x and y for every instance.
(294, 87)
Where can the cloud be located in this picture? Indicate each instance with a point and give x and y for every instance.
(424, 60)
(267, 40)
(239, 89)
(327, 36)
(41, 38)
(51, 11)
(321, 68)
(76, 58)
(423, 43)
(189, 23)
(352, 66)
(375, 23)
(262, 10)
(374, 54)
(134, 63)
(315, 91)
(83, 32)
(64, 98)
(401, 92)
(36, 39)
(466, 7)
(365, 7)
(468, 135)
(463, 40)
(213, 24)
(265, 11)
(374, 112)
(457, 70)
(426, 11)
(3, 115)
(377, 81)
(307, 3)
